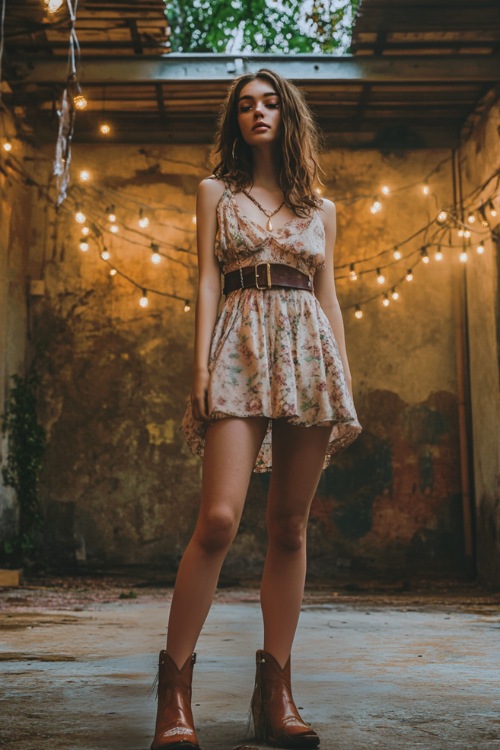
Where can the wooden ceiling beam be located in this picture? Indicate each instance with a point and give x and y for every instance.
(184, 68)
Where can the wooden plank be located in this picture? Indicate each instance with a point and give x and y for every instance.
(10, 577)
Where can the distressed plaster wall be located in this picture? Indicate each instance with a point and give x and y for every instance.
(120, 486)
(16, 236)
(482, 153)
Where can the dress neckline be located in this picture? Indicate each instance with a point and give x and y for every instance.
(242, 215)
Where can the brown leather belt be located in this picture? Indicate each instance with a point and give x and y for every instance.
(265, 276)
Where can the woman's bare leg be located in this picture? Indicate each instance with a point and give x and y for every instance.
(298, 457)
(231, 447)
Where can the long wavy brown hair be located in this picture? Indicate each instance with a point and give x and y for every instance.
(299, 144)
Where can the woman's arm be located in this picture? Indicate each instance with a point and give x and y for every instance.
(324, 286)
(209, 291)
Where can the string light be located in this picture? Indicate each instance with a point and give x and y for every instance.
(376, 207)
(80, 102)
(386, 190)
(105, 255)
(84, 246)
(471, 218)
(85, 231)
(105, 128)
(143, 220)
(423, 254)
(380, 276)
(53, 5)
(426, 189)
(7, 146)
(80, 216)
(463, 257)
(358, 312)
(113, 228)
(84, 175)
(386, 301)
(155, 257)
(493, 210)
(466, 233)
(187, 306)
(397, 254)
(409, 275)
(441, 217)
(352, 273)
(144, 302)
(111, 214)
(480, 248)
(438, 255)
(394, 293)
(112, 272)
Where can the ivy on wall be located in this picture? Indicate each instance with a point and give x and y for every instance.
(26, 446)
(261, 26)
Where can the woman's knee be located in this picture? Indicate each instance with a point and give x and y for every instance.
(216, 530)
(287, 531)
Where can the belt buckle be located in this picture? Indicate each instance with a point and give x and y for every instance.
(268, 278)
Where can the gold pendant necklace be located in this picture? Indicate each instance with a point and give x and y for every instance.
(269, 214)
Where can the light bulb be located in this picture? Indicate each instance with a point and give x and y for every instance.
(80, 102)
(84, 246)
(193, 218)
(386, 301)
(375, 207)
(104, 128)
(144, 302)
(358, 313)
(187, 306)
(409, 275)
(480, 248)
(105, 255)
(463, 257)
(84, 175)
(471, 218)
(53, 5)
(385, 189)
(466, 232)
(143, 220)
(112, 272)
(113, 228)
(426, 189)
(80, 216)
(155, 257)
(397, 254)
(438, 255)
(394, 293)
(460, 232)
(424, 256)
(442, 216)
(85, 231)
(493, 210)
(380, 276)
(7, 146)
(352, 273)
(111, 214)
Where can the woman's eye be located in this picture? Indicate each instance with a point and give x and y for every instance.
(273, 105)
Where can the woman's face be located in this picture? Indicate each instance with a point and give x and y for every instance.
(259, 115)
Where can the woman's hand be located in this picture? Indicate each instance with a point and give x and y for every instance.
(199, 394)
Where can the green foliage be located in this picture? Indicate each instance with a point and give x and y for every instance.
(26, 445)
(261, 26)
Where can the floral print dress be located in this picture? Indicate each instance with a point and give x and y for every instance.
(273, 352)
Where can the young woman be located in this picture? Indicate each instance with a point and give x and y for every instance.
(271, 388)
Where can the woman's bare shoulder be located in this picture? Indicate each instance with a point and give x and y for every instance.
(211, 189)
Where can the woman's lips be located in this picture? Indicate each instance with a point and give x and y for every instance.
(261, 126)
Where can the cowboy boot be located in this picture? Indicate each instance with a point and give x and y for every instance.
(174, 720)
(276, 719)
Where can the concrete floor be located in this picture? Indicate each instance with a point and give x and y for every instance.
(387, 672)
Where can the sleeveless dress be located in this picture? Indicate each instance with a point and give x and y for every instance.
(273, 352)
